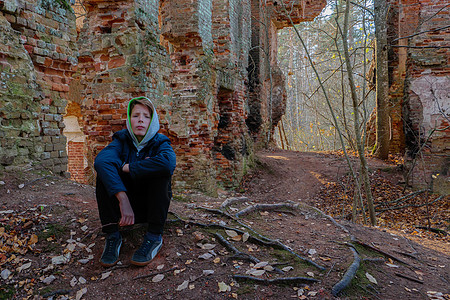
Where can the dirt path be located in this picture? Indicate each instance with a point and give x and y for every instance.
(193, 263)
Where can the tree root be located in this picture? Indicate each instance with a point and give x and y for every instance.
(255, 207)
(239, 254)
(284, 280)
(349, 275)
(260, 241)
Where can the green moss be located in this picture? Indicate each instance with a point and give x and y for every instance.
(52, 230)
(64, 4)
(16, 89)
(6, 292)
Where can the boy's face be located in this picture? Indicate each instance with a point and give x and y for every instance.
(140, 120)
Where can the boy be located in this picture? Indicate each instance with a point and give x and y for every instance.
(134, 182)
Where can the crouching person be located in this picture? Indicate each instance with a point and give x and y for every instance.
(134, 183)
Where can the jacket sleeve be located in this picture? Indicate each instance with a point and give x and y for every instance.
(108, 165)
(162, 164)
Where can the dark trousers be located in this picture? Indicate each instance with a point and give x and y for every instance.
(149, 198)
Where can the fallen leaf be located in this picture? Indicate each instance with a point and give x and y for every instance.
(231, 233)
(208, 246)
(189, 261)
(310, 274)
(183, 286)
(237, 238)
(287, 269)
(205, 256)
(49, 279)
(312, 251)
(191, 286)
(105, 275)
(24, 267)
(371, 278)
(82, 280)
(5, 274)
(160, 267)
(223, 287)
(256, 272)
(269, 268)
(392, 265)
(158, 278)
(198, 235)
(260, 265)
(325, 258)
(73, 282)
(312, 294)
(216, 260)
(245, 237)
(208, 272)
(81, 293)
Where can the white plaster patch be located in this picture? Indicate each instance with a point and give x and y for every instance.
(434, 94)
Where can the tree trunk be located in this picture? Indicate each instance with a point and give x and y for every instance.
(360, 147)
(382, 80)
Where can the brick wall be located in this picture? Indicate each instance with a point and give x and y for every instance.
(37, 60)
(419, 91)
(191, 58)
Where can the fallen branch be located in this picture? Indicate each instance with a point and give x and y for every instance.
(409, 205)
(409, 278)
(284, 280)
(155, 273)
(404, 198)
(57, 292)
(256, 207)
(380, 251)
(239, 254)
(435, 230)
(229, 201)
(349, 275)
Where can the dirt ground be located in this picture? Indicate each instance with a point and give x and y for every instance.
(51, 241)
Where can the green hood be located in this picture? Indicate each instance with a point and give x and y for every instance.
(152, 129)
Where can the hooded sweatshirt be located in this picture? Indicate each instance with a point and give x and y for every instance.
(152, 157)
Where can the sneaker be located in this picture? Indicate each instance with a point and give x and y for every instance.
(111, 251)
(147, 251)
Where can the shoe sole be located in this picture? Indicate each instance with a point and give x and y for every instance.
(114, 263)
(142, 264)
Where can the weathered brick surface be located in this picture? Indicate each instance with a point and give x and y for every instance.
(420, 69)
(37, 59)
(190, 57)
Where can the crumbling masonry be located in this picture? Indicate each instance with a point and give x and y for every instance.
(210, 67)
(190, 57)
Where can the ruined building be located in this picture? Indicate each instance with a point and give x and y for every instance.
(419, 69)
(209, 65)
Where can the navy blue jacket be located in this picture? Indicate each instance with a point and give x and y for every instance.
(156, 159)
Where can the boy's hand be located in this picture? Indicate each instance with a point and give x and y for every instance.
(125, 210)
(126, 168)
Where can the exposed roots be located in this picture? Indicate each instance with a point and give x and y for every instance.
(285, 280)
(349, 275)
